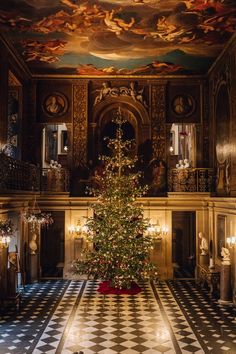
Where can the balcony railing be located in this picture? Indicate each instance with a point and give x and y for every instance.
(18, 175)
(23, 176)
(190, 180)
(55, 180)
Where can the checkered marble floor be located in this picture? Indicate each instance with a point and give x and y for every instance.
(71, 316)
(214, 325)
(20, 330)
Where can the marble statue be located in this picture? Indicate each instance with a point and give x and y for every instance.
(226, 256)
(33, 244)
(203, 244)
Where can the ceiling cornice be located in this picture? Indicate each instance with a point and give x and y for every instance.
(230, 44)
(106, 77)
(15, 56)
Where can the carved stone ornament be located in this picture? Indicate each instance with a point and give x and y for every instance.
(158, 127)
(108, 91)
(205, 129)
(55, 104)
(223, 75)
(80, 123)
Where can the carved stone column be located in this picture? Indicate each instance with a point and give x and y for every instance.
(93, 138)
(205, 127)
(233, 125)
(80, 122)
(4, 94)
(158, 127)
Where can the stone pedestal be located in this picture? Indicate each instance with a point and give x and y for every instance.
(225, 285)
(204, 260)
(33, 268)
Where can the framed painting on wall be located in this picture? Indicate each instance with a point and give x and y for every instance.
(220, 233)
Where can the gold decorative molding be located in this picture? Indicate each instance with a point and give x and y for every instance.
(12, 80)
(194, 180)
(158, 127)
(80, 123)
(222, 76)
(205, 122)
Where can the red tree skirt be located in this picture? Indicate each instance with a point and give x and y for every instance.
(105, 288)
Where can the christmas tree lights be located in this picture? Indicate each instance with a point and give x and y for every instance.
(121, 246)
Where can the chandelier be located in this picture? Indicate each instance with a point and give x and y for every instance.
(156, 232)
(36, 218)
(6, 231)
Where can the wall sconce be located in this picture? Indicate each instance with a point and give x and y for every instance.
(6, 231)
(5, 241)
(157, 232)
(79, 231)
(231, 240)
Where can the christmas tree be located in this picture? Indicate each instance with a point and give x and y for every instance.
(121, 245)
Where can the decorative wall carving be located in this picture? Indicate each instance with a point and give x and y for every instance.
(80, 123)
(54, 101)
(222, 140)
(222, 92)
(190, 180)
(222, 76)
(205, 127)
(108, 91)
(184, 103)
(158, 128)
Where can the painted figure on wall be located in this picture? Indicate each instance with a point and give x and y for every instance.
(223, 178)
(158, 177)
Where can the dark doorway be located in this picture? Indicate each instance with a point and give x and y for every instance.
(184, 243)
(52, 247)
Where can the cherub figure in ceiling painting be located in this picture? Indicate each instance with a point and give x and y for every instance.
(116, 24)
(43, 51)
(96, 37)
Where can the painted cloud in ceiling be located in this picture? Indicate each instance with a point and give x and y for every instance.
(112, 37)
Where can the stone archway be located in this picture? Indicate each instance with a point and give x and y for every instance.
(104, 111)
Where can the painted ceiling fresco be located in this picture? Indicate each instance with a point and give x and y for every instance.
(118, 37)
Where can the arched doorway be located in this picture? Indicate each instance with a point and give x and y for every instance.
(109, 131)
(137, 127)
